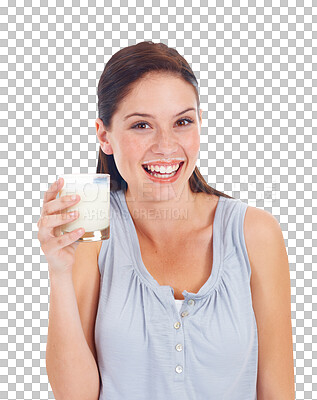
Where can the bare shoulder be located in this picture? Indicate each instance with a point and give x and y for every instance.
(88, 248)
(266, 250)
(271, 299)
(262, 232)
(86, 259)
(256, 218)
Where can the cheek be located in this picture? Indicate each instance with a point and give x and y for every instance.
(193, 144)
(125, 148)
(126, 153)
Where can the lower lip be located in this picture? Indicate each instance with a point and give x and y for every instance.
(165, 180)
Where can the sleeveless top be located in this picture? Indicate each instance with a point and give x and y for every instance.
(147, 348)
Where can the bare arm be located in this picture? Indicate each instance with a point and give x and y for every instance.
(271, 295)
(71, 361)
(70, 364)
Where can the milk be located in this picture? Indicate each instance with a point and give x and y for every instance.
(93, 207)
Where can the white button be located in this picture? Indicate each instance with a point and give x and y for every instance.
(191, 302)
(177, 325)
(184, 313)
(179, 369)
(179, 347)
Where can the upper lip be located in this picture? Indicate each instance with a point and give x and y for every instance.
(164, 162)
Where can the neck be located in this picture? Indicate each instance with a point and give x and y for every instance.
(164, 220)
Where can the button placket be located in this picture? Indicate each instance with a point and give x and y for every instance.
(179, 369)
(179, 362)
(177, 325)
(179, 355)
(179, 347)
(184, 314)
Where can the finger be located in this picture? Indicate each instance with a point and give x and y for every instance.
(49, 222)
(52, 247)
(68, 238)
(61, 204)
(52, 191)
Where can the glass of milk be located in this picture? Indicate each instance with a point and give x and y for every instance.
(93, 207)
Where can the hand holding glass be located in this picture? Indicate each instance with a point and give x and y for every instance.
(93, 207)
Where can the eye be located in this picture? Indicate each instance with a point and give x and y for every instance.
(188, 120)
(138, 124)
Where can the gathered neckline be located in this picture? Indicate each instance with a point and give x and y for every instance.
(148, 279)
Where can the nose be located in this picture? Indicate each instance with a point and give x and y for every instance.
(165, 142)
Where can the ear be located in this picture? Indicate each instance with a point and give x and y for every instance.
(200, 116)
(103, 137)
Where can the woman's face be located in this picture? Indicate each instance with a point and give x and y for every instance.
(164, 137)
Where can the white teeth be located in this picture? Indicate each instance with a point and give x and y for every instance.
(162, 169)
(163, 172)
(169, 169)
(165, 176)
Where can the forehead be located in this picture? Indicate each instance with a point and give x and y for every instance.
(156, 79)
(156, 89)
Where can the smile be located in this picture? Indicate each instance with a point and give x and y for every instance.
(157, 176)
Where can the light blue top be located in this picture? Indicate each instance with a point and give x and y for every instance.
(146, 348)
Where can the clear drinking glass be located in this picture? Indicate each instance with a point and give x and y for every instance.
(93, 207)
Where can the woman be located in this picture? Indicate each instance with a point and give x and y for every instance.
(167, 307)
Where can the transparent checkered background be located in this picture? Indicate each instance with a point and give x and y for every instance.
(256, 66)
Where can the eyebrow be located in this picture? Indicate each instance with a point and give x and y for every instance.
(151, 116)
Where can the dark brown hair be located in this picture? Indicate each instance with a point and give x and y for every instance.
(125, 68)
